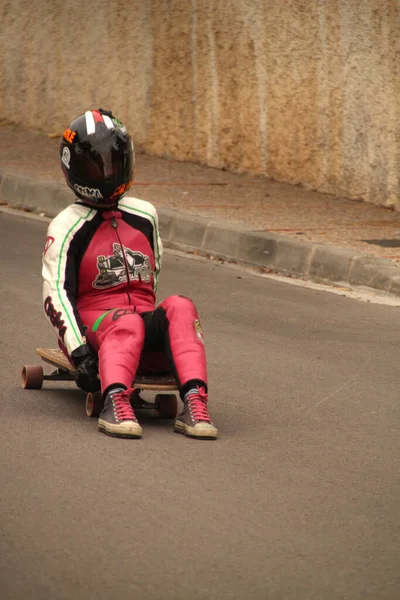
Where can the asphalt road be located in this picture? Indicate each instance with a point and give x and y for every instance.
(298, 499)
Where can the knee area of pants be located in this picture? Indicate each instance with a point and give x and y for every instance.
(179, 303)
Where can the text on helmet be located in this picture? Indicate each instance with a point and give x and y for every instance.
(87, 192)
(121, 189)
(69, 135)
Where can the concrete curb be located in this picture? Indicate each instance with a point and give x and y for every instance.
(190, 233)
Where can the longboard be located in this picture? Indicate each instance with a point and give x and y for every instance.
(165, 405)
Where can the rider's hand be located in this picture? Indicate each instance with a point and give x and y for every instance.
(86, 365)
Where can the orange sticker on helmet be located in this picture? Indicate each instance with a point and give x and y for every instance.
(69, 135)
(121, 189)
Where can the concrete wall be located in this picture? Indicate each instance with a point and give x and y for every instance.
(303, 91)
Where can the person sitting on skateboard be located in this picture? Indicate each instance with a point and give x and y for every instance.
(101, 266)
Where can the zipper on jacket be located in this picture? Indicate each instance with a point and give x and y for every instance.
(114, 223)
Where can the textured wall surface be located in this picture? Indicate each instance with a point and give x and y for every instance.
(303, 91)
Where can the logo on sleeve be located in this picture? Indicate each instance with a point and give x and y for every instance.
(199, 330)
(49, 242)
(55, 317)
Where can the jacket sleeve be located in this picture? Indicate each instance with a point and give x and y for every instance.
(60, 284)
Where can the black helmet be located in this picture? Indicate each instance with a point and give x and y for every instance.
(97, 158)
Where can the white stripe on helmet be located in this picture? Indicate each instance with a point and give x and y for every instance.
(90, 123)
(108, 122)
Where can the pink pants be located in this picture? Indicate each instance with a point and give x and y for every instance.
(168, 339)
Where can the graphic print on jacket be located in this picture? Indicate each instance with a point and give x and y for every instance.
(121, 265)
(109, 272)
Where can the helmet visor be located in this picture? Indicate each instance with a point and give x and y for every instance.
(114, 165)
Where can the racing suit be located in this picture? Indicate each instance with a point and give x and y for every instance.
(100, 275)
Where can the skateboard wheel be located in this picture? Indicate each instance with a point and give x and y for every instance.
(94, 404)
(31, 377)
(167, 406)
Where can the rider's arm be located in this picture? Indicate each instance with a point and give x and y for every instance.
(59, 274)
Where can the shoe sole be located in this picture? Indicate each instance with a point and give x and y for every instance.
(195, 434)
(117, 431)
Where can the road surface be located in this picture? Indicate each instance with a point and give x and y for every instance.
(299, 498)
